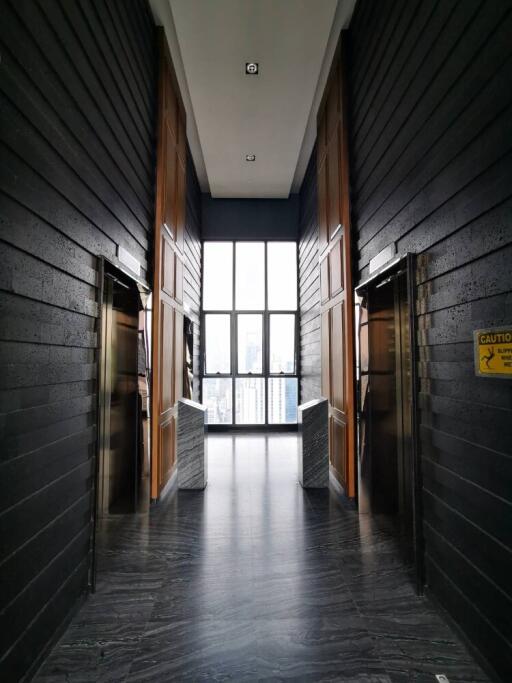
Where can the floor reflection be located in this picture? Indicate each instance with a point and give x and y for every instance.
(254, 579)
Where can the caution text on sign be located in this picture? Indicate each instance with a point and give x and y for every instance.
(493, 352)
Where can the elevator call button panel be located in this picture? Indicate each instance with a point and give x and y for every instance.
(493, 352)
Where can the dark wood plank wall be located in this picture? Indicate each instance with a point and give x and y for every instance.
(431, 163)
(192, 270)
(309, 286)
(76, 180)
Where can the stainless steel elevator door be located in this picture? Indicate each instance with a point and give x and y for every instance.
(386, 455)
(384, 436)
(118, 467)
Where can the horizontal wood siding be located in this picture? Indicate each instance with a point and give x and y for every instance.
(309, 286)
(77, 97)
(192, 270)
(431, 156)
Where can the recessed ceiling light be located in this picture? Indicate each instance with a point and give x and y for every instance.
(250, 157)
(251, 68)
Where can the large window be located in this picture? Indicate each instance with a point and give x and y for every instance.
(249, 333)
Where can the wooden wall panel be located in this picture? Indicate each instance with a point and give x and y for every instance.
(333, 190)
(178, 294)
(323, 217)
(77, 182)
(338, 446)
(172, 114)
(167, 341)
(169, 206)
(336, 275)
(326, 354)
(337, 357)
(168, 267)
(324, 280)
(333, 105)
(431, 158)
(180, 204)
(167, 337)
(167, 449)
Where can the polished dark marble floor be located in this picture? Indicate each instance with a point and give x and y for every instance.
(254, 579)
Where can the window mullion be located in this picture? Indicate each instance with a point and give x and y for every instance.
(234, 340)
(265, 331)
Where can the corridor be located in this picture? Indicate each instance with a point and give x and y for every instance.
(254, 579)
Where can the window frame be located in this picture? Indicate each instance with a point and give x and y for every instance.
(237, 372)
(265, 283)
(234, 313)
(280, 310)
(233, 256)
(295, 346)
(203, 323)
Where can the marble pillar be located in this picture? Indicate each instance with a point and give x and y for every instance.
(313, 449)
(192, 455)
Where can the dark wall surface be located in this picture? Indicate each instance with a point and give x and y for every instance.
(192, 272)
(431, 163)
(77, 99)
(250, 219)
(309, 286)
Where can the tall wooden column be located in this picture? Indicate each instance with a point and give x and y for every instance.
(337, 322)
(167, 325)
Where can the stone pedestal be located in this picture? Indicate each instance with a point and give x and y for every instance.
(313, 449)
(192, 455)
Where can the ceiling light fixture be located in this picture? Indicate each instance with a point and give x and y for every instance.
(251, 68)
(250, 157)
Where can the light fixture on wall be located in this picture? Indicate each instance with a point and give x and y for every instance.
(250, 157)
(252, 68)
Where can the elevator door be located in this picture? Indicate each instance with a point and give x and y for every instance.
(387, 453)
(119, 410)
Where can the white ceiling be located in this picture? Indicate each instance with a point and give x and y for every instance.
(272, 115)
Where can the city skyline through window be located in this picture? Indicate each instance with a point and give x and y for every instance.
(249, 334)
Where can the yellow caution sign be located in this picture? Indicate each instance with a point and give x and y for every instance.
(493, 352)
